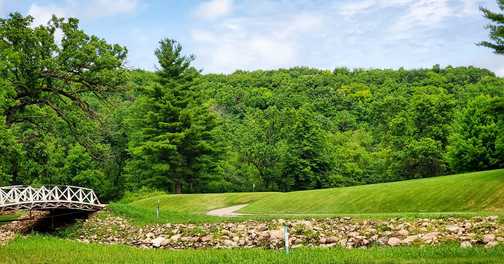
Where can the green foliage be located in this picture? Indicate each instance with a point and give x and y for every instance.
(496, 29)
(478, 135)
(72, 114)
(50, 103)
(171, 131)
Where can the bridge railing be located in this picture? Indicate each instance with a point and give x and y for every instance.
(48, 197)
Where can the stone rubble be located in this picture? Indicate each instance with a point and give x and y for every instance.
(8, 231)
(343, 232)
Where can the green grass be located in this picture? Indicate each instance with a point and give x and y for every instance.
(5, 219)
(182, 208)
(462, 195)
(470, 192)
(42, 249)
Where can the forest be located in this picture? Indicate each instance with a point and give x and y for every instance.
(72, 113)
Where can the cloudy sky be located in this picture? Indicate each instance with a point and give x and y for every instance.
(226, 35)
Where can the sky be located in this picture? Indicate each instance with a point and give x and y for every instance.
(229, 35)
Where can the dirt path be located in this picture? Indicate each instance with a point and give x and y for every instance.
(228, 211)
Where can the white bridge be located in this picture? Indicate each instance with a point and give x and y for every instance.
(48, 198)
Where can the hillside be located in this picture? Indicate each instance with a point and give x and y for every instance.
(182, 207)
(462, 193)
(470, 192)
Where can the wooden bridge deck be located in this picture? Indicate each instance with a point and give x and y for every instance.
(48, 198)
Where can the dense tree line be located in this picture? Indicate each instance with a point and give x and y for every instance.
(72, 114)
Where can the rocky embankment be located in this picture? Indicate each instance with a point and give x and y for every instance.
(8, 231)
(344, 232)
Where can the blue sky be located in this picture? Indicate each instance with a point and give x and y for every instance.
(226, 35)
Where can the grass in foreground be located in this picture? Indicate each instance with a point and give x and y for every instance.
(460, 195)
(41, 249)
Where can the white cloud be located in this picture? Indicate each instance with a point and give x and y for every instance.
(214, 9)
(358, 7)
(264, 34)
(42, 14)
(111, 8)
(246, 42)
(80, 9)
(500, 71)
(424, 13)
(471, 7)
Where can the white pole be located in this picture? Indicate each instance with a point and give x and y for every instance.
(157, 210)
(286, 238)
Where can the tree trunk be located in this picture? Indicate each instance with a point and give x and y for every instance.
(178, 187)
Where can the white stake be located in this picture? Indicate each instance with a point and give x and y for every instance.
(286, 238)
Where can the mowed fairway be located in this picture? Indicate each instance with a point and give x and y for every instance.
(478, 192)
(40, 249)
(183, 207)
(471, 192)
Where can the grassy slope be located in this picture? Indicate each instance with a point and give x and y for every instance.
(40, 249)
(182, 208)
(4, 219)
(464, 193)
(471, 192)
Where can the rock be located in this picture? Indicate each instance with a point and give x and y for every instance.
(229, 243)
(176, 237)
(262, 228)
(452, 228)
(409, 240)
(403, 232)
(353, 234)
(491, 244)
(488, 238)
(159, 242)
(492, 218)
(307, 225)
(465, 244)
(331, 239)
(276, 234)
(486, 231)
(393, 241)
(298, 241)
(430, 237)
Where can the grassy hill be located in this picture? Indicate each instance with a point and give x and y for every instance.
(183, 207)
(462, 193)
(470, 192)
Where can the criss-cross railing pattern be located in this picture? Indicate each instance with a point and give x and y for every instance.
(48, 197)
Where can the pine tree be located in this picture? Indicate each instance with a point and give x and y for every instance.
(172, 140)
(496, 29)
